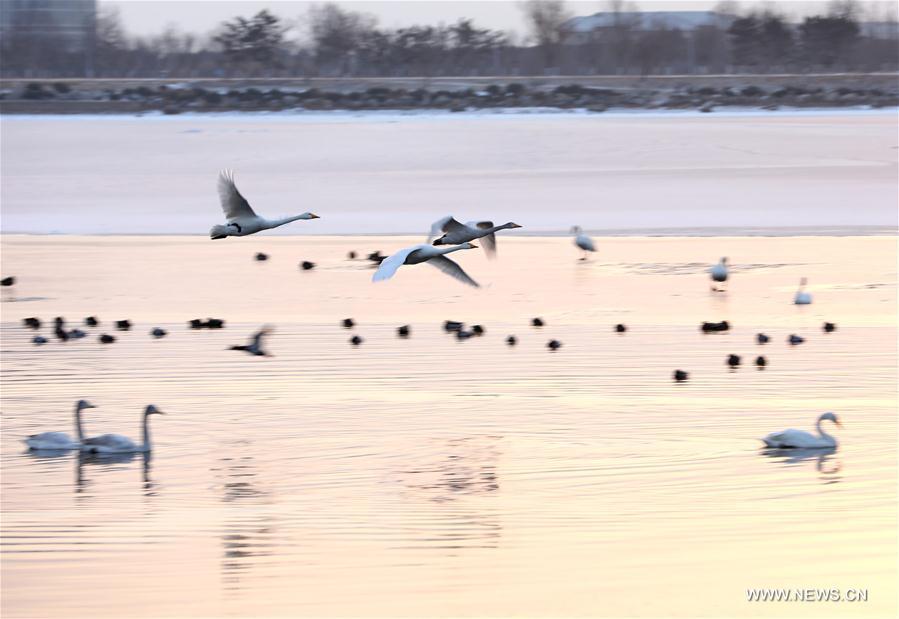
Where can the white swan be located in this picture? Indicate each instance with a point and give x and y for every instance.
(719, 272)
(117, 444)
(60, 440)
(242, 220)
(804, 440)
(583, 241)
(424, 253)
(456, 233)
(802, 297)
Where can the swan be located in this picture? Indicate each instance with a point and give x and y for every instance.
(583, 241)
(425, 253)
(60, 440)
(802, 439)
(802, 297)
(255, 345)
(456, 233)
(242, 220)
(719, 273)
(118, 444)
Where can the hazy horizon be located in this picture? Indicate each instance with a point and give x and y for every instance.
(144, 17)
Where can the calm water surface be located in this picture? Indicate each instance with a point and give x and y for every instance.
(431, 477)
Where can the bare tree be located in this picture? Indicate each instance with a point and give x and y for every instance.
(547, 20)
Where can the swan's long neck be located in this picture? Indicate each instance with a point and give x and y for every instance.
(824, 434)
(78, 429)
(274, 223)
(145, 433)
(497, 228)
(448, 250)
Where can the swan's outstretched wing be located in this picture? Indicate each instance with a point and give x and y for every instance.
(437, 227)
(391, 263)
(447, 225)
(451, 268)
(233, 204)
(488, 241)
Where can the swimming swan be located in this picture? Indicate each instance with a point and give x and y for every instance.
(719, 273)
(118, 444)
(802, 297)
(456, 233)
(802, 439)
(60, 440)
(242, 220)
(583, 241)
(424, 253)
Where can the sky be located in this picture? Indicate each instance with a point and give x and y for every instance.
(146, 17)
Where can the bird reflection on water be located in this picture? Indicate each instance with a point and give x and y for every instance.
(246, 533)
(457, 480)
(826, 464)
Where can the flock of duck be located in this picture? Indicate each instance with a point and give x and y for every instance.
(446, 236)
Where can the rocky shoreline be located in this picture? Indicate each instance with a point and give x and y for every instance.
(597, 94)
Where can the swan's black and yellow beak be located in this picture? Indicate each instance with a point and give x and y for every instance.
(313, 216)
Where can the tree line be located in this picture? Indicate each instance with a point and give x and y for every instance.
(331, 41)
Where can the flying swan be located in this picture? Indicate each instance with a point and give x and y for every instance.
(456, 233)
(59, 440)
(425, 253)
(802, 439)
(118, 444)
(242, 220)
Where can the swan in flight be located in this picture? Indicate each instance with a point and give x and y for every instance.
(583, 241)
(456, 233)
(719, 273)
(425, 253)
(802, 297)
(60, 440)
(802, 439)
(242, 220)
(118, 444)
(255, 345)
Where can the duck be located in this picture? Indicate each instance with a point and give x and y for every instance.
(403, 331)
(733, 360)
(795, 340)
(511, 340)
(356, 340)
(554, 345)
(59, 329)
(91, 321)
(158, 332)
(241, 218)
(348, 323)
(452, 326)
(32, 322)
(463, 334)
(712, 327)
(306, 265)
(619, 328)
(478, 329)
(106, 339)
(39, 340)
(7, 281)
(537, 322)
(456, 233)
(377, 257)
(435, 256)
(117, 444)
(351, 255)
(761, 362)
(829, 327)
(583, 241)
(680, 376)
(59, 441)
(255, 345)
(800, 439)
(260, 257)
(123, 325)
(761, 338)
(802, 297)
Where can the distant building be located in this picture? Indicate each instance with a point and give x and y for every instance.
(590, 27)
(68, 25)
